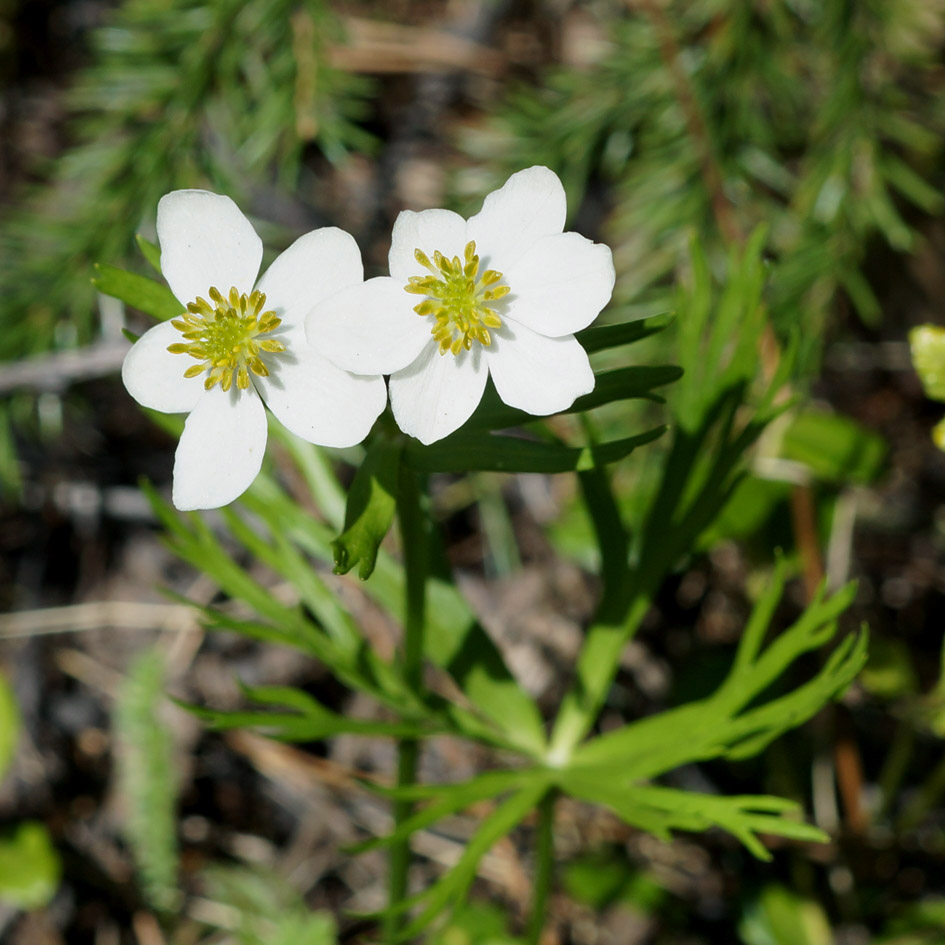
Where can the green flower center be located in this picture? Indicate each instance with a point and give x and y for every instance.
(224, 336)
(457, 298)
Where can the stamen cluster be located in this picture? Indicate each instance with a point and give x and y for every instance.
(224, 337)
(457, 298)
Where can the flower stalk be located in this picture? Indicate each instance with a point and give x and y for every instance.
(414, 538)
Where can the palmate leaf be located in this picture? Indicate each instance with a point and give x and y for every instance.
(660, 810)
(503, 714)
(454, 639)
(736, 721)
(336, 642)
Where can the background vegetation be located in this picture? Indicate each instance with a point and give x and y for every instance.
(697, 138)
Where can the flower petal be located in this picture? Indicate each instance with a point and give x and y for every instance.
(560, 285)
(205, 241)
(318, 401)
(428, 230)
(155, 377)
(220, 450)
(369, 329)
(313, 268)
(438, 392)
(531, 204)
(537, 374)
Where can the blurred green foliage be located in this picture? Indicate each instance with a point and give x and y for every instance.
(9, 725)
(225, 94)
(148, 778)
(265, 908)
(822, 120)
(29, 866)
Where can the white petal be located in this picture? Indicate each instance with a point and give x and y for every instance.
(220, 450)
(438, 392)
(428, 230)
(560, 285)
(531, 204)
(318, 401)
(205, 241)
(155, 377)
(538, 374)
(369, 329)
(313, 268)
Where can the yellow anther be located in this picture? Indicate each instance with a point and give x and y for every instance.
(457, 297)
(224, 337)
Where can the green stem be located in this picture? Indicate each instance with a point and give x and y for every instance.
(414, 538)
(544, 875)
(597, 666)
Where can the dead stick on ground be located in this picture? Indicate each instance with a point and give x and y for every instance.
(55, 372)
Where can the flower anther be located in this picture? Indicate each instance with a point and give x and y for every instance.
(457, 298)
(225, 337)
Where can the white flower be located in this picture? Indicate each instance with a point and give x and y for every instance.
(234, 344)
(500, 294)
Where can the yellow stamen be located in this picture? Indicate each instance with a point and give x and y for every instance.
(223, 335)
(456, 298)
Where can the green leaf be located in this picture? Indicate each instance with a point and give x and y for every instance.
(9, 725)
(661, 810)
(606, 876)
(302, 928)
(836, 448)
(628, 383)
(463, 452)
(150, 251)
(779, 916)
(476, 923)
(454, 640)
(452, 886)
(139, 292)
(372, 502)
(752, 504)
(604, 337)
(308, 719)
(889, 673)
(732, 722)
(29, 866)
(338, 644)
(927, 343)
(445, 799)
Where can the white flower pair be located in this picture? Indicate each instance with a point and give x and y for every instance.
(500, 294)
